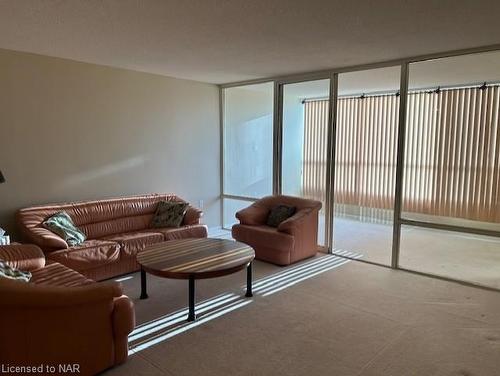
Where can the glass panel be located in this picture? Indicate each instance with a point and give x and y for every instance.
(365, 163)
(230, 208)
(468, 257)
(452, 167)
(452, 164)
(248, 140)
(304, 152)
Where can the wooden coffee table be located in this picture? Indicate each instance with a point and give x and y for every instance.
(193, 259)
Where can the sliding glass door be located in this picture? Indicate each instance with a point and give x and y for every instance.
(304, 143)
(451, 195)
(365, 163)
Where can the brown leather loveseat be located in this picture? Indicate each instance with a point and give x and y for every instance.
(116, 230)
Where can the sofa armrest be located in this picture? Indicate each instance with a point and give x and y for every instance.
(254, 215)
(25, 257)
(44, 238)
(123, 325)
(192, 216)
(55, 325)
(294, 224)
(29, 295)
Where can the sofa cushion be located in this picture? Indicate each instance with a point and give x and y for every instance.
(88, 255)
(117, 226)
(133, 242)
(169, 214)
(55, 274)
(184, 232)
(62, 225)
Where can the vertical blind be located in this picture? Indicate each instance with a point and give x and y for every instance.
(452, 154)
(365, 170)
(452, 165)
(315, 150)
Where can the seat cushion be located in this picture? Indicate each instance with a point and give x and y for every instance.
(88, 255)
(184, 232)
(55, 274)
(133, 242)
(266, 236)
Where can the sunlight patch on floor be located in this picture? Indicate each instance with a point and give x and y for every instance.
(172, 324)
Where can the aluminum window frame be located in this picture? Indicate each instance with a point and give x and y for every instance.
(332, 74)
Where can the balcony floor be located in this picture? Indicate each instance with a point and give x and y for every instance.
(466, 257)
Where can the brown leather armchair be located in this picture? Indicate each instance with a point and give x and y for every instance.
(61, 317)
(294, 239)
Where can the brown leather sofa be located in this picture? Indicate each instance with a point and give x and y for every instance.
(294, 239)
(60, 316)
(116, 230)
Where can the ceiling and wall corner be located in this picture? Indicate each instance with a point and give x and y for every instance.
(226, 41)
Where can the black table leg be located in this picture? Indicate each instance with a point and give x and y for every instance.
(144, 290)
(192, 315)
(249, 293)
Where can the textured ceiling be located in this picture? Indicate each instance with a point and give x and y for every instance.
(224, 41)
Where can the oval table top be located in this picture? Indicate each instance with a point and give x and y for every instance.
(199, 258)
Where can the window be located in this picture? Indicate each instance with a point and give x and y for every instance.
(247, 143)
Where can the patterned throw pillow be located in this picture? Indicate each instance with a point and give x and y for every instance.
(278, 214)
(62, 225)
(8, 271)
(169, 214)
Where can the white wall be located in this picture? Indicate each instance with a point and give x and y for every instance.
(74, 131)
